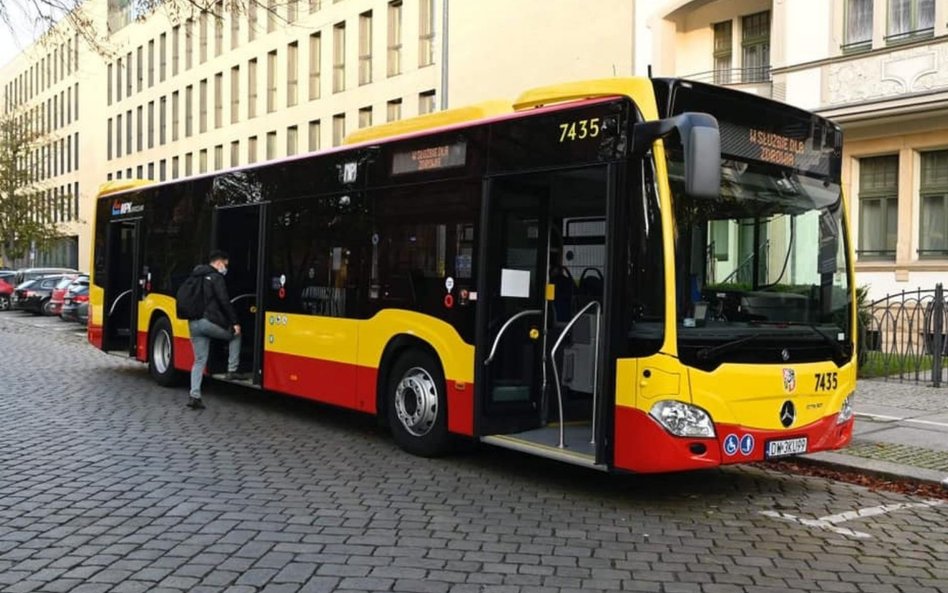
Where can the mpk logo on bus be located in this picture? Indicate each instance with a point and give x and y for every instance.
(789, 380)
(122, 208)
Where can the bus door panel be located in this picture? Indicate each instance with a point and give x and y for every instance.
(512, 307)
(238, 230)
(123, 290)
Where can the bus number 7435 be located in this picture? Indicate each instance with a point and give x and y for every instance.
(579, 129)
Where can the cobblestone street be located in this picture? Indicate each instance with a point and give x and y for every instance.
(109, 483)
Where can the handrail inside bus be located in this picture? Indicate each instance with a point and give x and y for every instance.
(503, 328)
(242, 296)
(117, 299)
(556, 375)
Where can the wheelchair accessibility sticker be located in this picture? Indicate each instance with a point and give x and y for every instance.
(731, 443)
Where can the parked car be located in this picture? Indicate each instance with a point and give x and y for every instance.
(76, 298)
(6, 294)
(34, 295)
(24, 274)
(59, 293)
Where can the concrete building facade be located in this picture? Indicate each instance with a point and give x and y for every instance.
(181, 91)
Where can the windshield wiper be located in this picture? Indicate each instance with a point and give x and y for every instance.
(711, 352)
(837, 348)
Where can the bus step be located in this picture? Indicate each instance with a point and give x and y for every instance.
(509, 441)
(248, 382)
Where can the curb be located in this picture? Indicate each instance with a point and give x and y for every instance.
(876, 468)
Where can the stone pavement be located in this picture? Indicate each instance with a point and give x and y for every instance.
(901, 432)
(109, 483)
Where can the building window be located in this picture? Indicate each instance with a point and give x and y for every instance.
(151, 171)
(314, 135)
(108, 86)
(235, 94)
(151, 124)
(292, 10)
(188, 113)
(151, 63)
(174, 167)
(139, 69)
(425, 33)
(426, 102)
(202, 161)
(218, 35)
(128, 74)
(235, 153)
(162, 169)
(878, 206)
(339, 57)
(188, 164)
(252, 21)
(393, 110)
(162, 48)
(128, 132)
(188, 45)
(858, 34)
(910, 19)
(218, 100)
(271, 16)
(175, 116)
(756, 46)
(315, 59)
(252, 150)
(202, 106)
(365, 117)
(271, 81)
(202, 37)
(252, 88)
(292, 141)
(234, 29)
(292, 74)
(722, 52)
(271, 145)
(175, 44)
(933, 191)
(108, 148)
(365, 47)
(139, 117)
(338, 128)
(162, 120)
(394, 66)
(218, 157)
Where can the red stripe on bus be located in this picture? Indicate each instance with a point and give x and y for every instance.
(94, 333)
(460, 408)
(183, 354)
(820, 435)
(313, 378)
(141, 352)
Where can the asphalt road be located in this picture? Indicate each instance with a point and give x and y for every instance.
(109, 483)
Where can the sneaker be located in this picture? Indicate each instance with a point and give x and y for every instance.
(195, 403)
(235, 376)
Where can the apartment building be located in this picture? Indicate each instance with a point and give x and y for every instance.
(877, 67)
(183, 92)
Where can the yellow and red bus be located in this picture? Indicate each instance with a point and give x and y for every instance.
(635, 274)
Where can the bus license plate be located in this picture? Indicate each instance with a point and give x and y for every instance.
(786, 447)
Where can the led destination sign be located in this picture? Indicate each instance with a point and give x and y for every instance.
(430, 158)
(809, 153)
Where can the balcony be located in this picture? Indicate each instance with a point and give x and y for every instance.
(751, 80)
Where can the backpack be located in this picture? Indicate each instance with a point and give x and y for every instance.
(190, 298)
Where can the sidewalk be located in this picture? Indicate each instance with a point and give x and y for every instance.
(901, 431)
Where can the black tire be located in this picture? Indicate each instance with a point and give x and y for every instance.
(5, 304)
(161, 354)
(416, 378)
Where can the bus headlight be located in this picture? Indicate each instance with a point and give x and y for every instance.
(683, 420)
(846, 411)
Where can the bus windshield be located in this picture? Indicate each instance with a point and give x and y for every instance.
(761, 268)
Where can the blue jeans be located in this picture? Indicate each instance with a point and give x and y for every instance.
(202, 332)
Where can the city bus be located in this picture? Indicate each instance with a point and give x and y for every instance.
(629, 274)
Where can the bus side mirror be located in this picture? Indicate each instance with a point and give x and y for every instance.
(701, 141)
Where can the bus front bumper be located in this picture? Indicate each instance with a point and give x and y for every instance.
(642, 445)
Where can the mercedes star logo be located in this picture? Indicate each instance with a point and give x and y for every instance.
(785, 354)
(787, 414)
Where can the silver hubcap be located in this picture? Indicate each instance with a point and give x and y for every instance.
(161, 352)
(4, 302)
(416, 401)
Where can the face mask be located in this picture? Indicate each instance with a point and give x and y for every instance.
(223, 270)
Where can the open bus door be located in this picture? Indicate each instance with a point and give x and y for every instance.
(541, 336)
(123, 286)
(239, 230)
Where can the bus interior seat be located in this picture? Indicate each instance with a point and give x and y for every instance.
(564, 289)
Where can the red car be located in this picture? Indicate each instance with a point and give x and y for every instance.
(55, 306)
(6, 290)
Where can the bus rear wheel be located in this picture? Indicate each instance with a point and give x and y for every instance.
(417, 405)
(161, 354)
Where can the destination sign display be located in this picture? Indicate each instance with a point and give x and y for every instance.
(431, 158)
(809, 153)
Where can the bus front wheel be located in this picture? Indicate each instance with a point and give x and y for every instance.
(161, 354)
(417, 406)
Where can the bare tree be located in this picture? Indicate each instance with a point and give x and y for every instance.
(61, 19)
(25, 220)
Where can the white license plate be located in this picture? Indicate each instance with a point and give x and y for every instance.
(786, 447)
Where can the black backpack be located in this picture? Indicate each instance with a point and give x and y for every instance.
(190, 298)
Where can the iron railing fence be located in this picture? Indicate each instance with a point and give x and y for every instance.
(902, 336)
